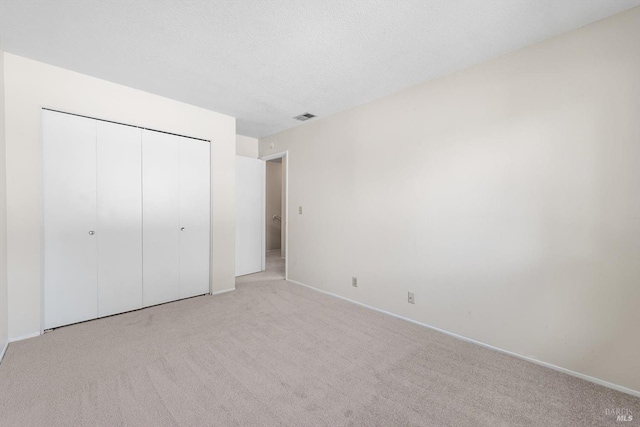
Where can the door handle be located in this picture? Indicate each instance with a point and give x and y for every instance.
(91, 233)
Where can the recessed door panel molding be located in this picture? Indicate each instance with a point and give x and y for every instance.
(250, 190)
(195, 219)
(70, 232)
(119, 196)
(161, 217)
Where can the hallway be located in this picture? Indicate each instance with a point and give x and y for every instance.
(275, 270)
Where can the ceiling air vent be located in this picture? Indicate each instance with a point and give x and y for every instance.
(305, 116)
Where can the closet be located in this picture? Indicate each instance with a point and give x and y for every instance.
(126, 218)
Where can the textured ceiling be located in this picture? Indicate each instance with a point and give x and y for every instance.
(267, 61)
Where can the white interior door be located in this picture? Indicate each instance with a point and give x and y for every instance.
(195, 219)
(161, 217)
(250, 189)
(119, 233)
(70, 241)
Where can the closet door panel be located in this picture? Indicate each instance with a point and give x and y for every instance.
(194, 217)
(160, 217)
(119, 193)
(70, 241)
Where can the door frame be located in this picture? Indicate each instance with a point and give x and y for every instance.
(285, 159)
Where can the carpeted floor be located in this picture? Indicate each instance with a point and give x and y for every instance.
(274, 353)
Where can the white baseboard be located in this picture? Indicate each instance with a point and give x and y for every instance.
(4, 350)
(224, 291)
(24, 337)
(489, 346)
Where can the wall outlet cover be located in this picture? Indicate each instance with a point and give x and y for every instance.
(411, 299)
(354, 282)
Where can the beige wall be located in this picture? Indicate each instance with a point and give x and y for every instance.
(3, 218)
(31, 85)
(283, 210)
(273, 197)
(247, 147)
(505, 196)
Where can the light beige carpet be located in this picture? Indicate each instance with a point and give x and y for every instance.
(274, 353)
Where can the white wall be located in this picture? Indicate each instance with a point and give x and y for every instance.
(273, 195)
(3, 218)
(506, 196)
(246, 146)
(31, 85)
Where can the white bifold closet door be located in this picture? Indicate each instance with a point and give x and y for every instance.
(119, 231)
(126, 218)
(70, 244)
(250, 212)
(175, 180)
(195, 220)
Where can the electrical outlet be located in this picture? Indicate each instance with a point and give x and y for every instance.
(300, 210)
(354, 282)
(411, 299)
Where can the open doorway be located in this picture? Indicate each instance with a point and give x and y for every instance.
(275, 241)
(261, 218)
